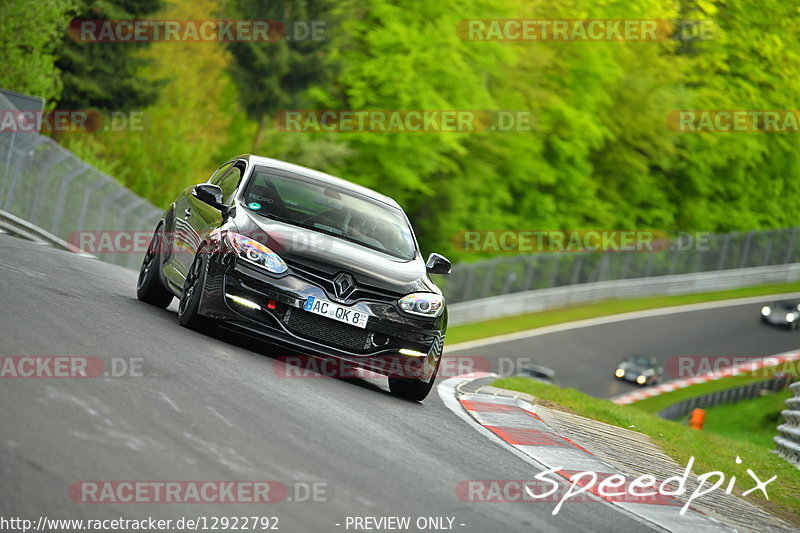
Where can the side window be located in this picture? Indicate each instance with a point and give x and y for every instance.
(219, 173)
(229, 182)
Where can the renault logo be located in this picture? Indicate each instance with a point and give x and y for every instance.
(343, 285)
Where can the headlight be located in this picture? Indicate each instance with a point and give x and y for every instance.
(255, 252)
(641, 380)
(619, 372)
(765, 310)
(789, 317)
(422, 303)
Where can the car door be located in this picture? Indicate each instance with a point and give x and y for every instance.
(188, 217)
(201, 218)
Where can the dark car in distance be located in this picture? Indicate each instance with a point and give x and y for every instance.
(640, 369)
(785, 313)
(305, 260)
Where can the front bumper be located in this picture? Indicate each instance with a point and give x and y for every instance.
(376, 347)
(778, 319)
(631, 376)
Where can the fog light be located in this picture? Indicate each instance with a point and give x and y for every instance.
(412, 353)
(641, 380)
(619, 373)
(243, 301)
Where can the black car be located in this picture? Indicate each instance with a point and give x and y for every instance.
(786, 313)
(640, 369)
(304, 259)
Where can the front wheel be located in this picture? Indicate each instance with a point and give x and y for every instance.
(190, 298)
(149, 288)
(411, 389)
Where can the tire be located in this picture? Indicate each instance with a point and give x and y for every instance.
(410, 388)
(190, 298)
(148, 287)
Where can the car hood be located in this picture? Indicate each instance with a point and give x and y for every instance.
(635, 368)
(330, 255)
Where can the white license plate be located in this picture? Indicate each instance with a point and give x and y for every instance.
(348, 315)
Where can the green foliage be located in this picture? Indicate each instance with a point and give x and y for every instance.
(190, 130)
(275, 75)
(601, 155)
(106, 76)
(29, 32)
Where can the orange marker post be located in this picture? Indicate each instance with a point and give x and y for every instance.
(697, 418)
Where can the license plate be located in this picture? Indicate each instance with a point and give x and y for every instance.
(348, 315)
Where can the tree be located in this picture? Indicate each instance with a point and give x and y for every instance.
(272, 76)
(105, 76)
(28, 37)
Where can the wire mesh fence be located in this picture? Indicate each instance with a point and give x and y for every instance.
(525, 272)
(46, 184)
(734, 395)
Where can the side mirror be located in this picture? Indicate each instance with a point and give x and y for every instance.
(438, 264)
(209, 194)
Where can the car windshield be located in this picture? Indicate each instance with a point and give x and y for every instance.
(640, 360)
(331, 210)
(789, 306)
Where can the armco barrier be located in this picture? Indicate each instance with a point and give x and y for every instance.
(788, 442)
(46, 185)
(540, 300)
(736, 394)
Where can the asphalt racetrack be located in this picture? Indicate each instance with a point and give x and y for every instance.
(217, 408)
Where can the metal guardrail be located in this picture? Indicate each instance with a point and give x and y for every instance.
(46, 185)
(788, 442)
(537, 271)
(22, 228)
(745, 392)
(540, 300)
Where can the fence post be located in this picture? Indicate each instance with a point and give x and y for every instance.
(790, 251)
(746, 249)
(769, 247)
(576, 270)
(530, 270)
(724, 253)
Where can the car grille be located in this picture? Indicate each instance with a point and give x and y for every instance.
(326, 330)
(324, 279)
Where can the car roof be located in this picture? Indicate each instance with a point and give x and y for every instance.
(319, 176)
(641, 357)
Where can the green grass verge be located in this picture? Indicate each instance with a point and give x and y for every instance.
(712, 452)
(657, 403)
(513, 324)
(753, 421)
